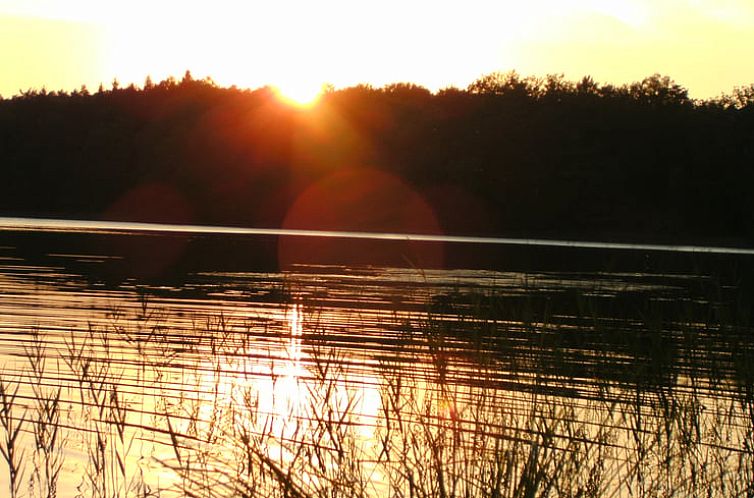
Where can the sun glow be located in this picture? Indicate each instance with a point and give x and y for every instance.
(292, 43)
(299, 93)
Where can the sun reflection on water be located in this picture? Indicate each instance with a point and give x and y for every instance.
(281, 392)
(288, 393)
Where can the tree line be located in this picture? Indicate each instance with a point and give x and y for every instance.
(508, 155)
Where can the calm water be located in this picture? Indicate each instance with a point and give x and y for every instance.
(236, 363)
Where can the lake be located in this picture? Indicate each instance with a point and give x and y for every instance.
(144, 360)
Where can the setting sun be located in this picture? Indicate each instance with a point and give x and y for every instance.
(299, 93)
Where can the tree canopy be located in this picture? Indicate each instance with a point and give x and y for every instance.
(509, 155)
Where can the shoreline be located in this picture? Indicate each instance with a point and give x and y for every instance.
(98, 226)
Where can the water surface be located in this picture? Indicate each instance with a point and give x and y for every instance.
(204, 364)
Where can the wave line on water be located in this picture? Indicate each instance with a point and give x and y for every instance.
(63, 225)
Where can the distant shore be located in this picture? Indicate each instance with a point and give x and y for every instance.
(508, 157)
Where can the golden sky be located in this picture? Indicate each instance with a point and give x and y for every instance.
(704, 45)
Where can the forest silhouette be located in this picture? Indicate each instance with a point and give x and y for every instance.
(507, 156)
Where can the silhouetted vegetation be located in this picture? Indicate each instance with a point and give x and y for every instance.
(509, 155)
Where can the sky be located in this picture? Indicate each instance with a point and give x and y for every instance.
(704, 45)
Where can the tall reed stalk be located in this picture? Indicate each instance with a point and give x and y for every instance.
(12, 428)
(47, 427)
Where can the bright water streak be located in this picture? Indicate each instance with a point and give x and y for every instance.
(116, 226)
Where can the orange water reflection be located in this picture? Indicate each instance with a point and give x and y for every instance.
(284, 396)
(343, 378)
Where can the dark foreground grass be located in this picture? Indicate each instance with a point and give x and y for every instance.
(537, 402)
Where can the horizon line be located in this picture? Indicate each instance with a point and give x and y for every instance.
(95, 226)
(188, 76)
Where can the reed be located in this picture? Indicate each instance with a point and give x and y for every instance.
(534, 407)
(47, 426)
(12, 427)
